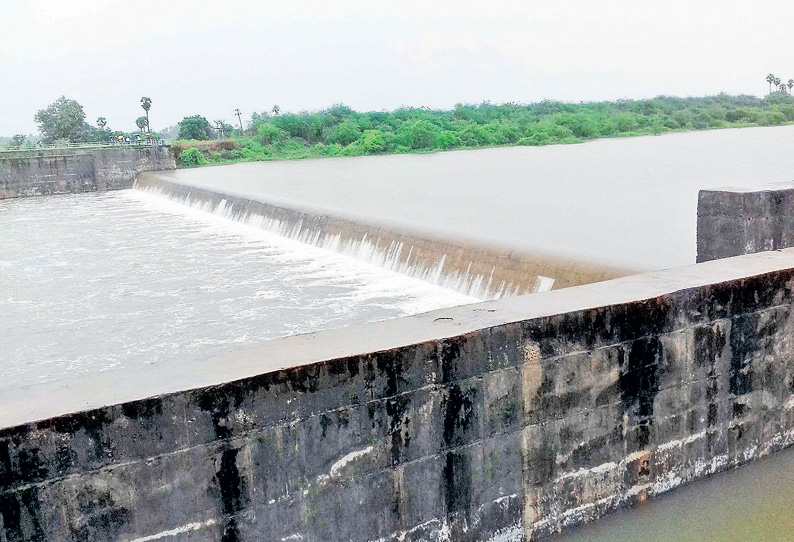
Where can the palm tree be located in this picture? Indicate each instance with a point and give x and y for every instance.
(783, 88)
(790, 84)
(146, 103)
(770, 79)
(777, 81)
(276, 110)
(101, 122)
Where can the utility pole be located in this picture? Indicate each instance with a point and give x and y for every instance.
(237, 112)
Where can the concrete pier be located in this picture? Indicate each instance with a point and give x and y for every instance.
(735, 221)
(72, 171)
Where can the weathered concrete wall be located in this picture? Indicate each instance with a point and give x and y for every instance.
(732, 222)
(479, 271)
(499, 421)
(65, 171)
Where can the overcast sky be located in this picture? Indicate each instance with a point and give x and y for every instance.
(209, 57)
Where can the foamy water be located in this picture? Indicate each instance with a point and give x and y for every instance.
(102, 281)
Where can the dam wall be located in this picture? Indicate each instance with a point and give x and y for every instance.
(502, 421)
(735, 221)
(484, 272)
(71, 171)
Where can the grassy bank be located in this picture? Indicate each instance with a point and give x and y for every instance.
(340, 131)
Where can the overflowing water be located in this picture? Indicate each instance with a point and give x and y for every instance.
(466, 271)
(102, 281)
(629, 202)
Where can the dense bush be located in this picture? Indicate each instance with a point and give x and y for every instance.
(270, 134)
(193, 157)
(420, 134)
(374, 142)
(772, 118)
(341, 131)
(345, 133)
(196, 153)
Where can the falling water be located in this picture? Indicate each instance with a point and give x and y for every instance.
(104, 281)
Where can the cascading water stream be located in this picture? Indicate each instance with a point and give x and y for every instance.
(482, 273)
(125, 279)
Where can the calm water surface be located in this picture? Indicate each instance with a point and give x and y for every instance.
(754, 503)
(629, 202)
(104, 281)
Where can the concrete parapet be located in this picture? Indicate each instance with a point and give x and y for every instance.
(70, 171)
(505, 420)
(735, 221)
(485, 272)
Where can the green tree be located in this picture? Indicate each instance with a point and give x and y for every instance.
(225, 128)
(94, 134)
(295, 125)
(101, 122)
(64, 119)
(141, 122)
(195, 127)
(276, 110)
(146, 103)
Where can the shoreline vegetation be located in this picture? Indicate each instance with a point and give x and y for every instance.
(341, 131)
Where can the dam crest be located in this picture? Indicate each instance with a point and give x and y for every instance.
(468, 268)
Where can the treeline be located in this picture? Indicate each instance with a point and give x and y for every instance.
(63, 122)
(340, 131)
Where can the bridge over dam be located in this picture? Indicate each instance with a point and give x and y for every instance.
(509, 419)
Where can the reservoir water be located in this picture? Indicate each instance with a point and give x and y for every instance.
(629, 202)
(95, 282)
(750, 504)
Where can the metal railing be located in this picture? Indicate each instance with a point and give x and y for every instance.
(80, 146)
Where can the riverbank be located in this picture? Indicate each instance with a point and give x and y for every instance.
(341, 131)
